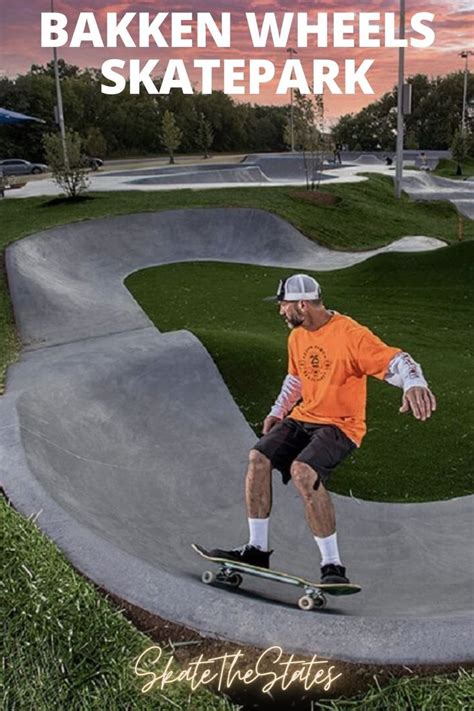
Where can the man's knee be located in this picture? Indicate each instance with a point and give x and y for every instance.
(305, 478)
(258, 461)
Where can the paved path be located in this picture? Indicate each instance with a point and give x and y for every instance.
(129, 445)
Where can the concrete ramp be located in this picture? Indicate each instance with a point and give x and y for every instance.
(426, 182)
(423, 186)
(368, 159)
(255, 168)
(284, 167)
(130, 446)
(186, 175)
(250, 174)
(67, 283)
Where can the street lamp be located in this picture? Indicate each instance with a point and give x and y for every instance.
(465, 54)
(292, 117)
(400, 127)
(59, 99)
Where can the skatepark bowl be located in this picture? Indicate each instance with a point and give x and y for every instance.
(128, 444)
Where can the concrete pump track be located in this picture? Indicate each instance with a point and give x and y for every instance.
(264, 169)
(129, 446)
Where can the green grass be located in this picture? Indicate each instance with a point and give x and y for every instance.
(67, 647)
(446, 168)
(438, 693)
(419, 302)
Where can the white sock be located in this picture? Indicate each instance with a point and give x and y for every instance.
(258, 528)
(328, 549)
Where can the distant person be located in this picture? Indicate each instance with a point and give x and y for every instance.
(388, 160)
(423, 162)
(337, 153)
(318, 418)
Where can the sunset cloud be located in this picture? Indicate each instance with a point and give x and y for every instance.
(454, 20)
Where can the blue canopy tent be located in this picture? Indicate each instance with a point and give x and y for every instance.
(11, 117)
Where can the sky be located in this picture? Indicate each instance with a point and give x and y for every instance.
(20, 40)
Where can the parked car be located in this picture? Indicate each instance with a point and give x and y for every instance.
(15, 166)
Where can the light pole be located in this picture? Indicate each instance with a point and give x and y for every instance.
(292, 115)
(400, 126)
(465, 54)
(59, 100)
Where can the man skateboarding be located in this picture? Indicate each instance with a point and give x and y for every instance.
(319, 417)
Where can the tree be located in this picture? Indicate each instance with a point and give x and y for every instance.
(64, 70)
(171, 134)
(227, 118)
(265, 128)
(460, 148)
(205, 135)
(373, 128)
(308, 121)
(95, 144)
(72, 178)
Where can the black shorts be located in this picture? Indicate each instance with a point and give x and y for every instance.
(323, 447)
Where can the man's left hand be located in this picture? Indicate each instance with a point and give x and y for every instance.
(420, 401)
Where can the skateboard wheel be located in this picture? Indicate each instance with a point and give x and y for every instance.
(235, 580)
(306, 602)
(208, 577)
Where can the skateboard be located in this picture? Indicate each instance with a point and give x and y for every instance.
(230, 574)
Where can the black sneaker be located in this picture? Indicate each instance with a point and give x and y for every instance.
(244, 554)
(332, 573)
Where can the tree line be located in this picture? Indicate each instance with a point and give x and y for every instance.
(124, 124)
(432, 124)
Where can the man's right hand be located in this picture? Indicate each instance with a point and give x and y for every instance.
(270, 422)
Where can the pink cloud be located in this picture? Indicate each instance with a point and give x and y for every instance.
(20, 41)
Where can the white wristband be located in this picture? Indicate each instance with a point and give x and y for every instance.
(404, 372)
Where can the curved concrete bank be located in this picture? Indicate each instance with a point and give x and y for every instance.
(66, 283)
(217, 173)
(423, 186)
(253, 169)
(130, 446)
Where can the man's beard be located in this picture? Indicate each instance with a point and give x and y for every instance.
(293, 321)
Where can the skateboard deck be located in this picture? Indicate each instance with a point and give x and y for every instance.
(230, 574)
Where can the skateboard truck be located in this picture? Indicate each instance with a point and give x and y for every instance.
(224, 575)
(313, 598)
